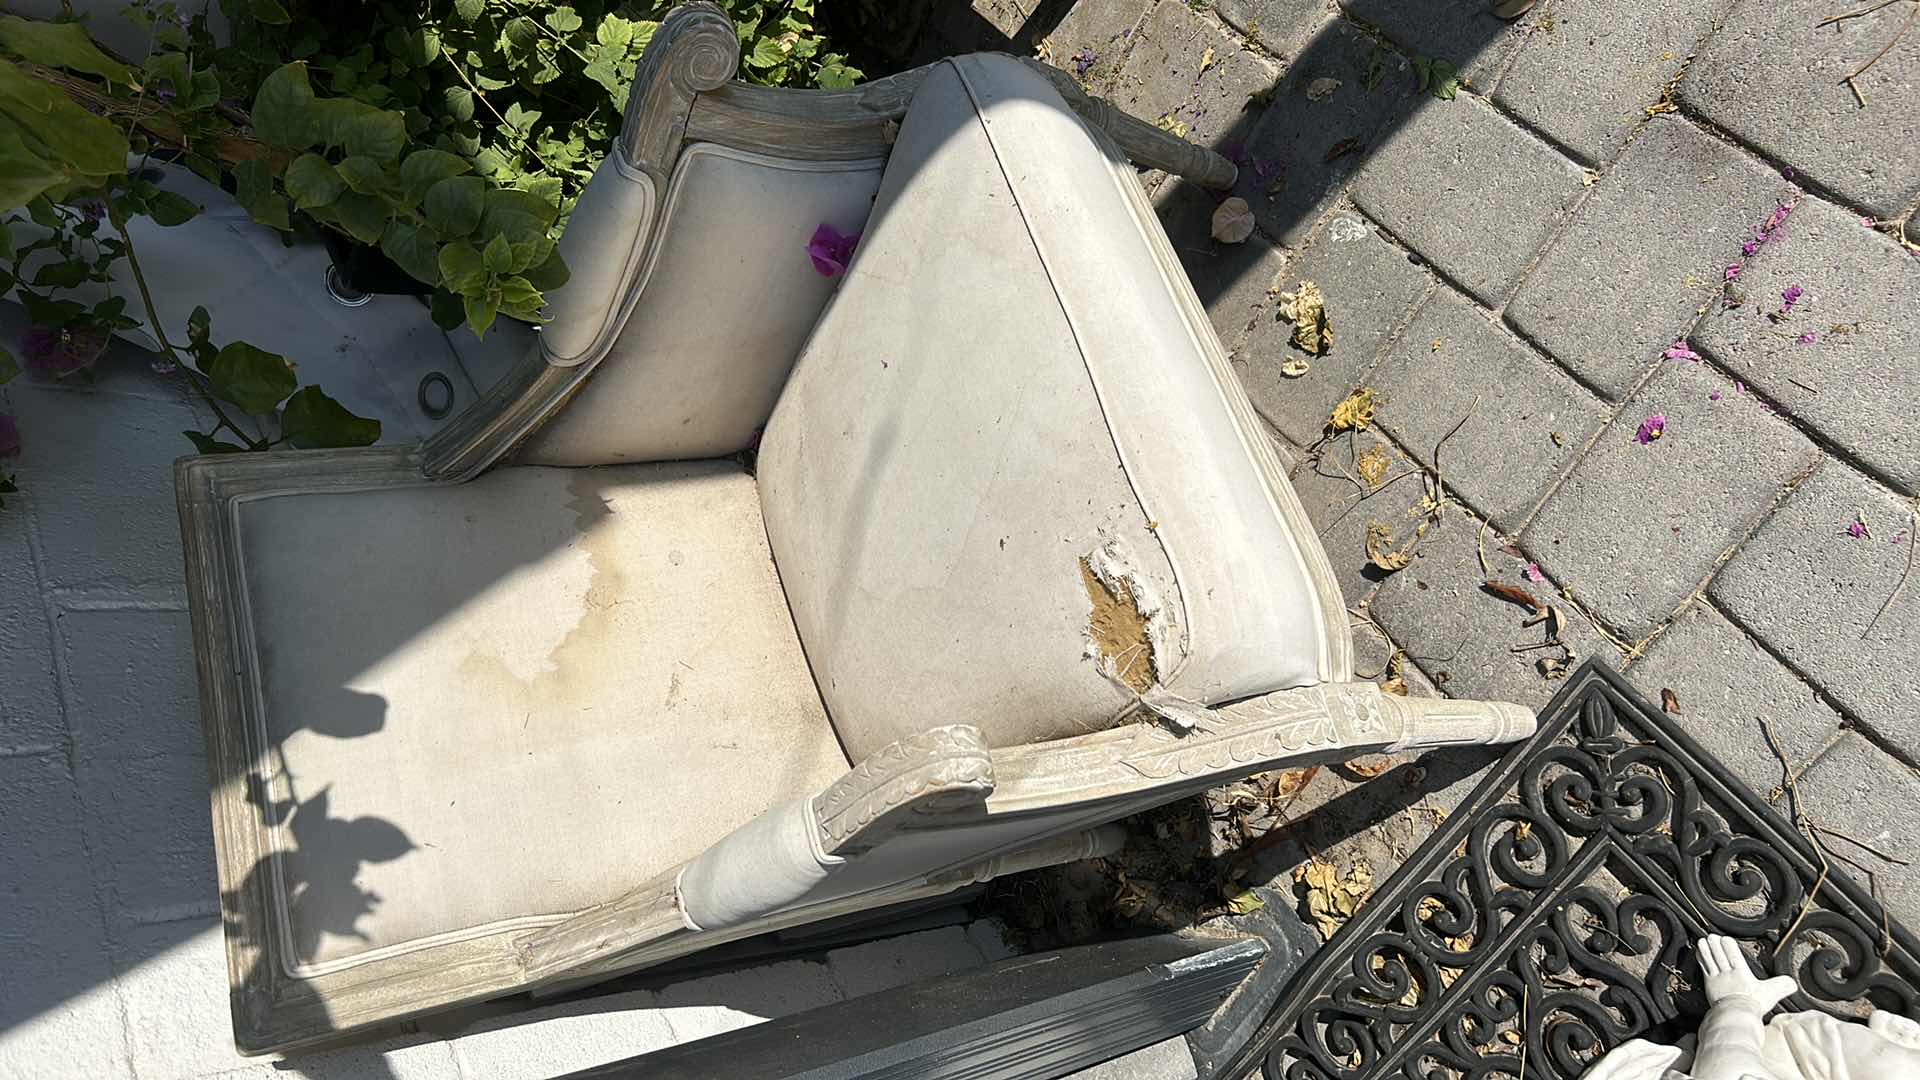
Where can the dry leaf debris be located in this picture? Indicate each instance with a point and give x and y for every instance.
(1306, 308)
(1332, 898)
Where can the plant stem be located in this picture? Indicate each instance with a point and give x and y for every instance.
(119, 220)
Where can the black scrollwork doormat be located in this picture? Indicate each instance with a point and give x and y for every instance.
(1554, 915)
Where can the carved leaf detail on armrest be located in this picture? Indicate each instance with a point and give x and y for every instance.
(939, 771)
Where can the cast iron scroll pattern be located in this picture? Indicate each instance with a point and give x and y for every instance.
(1553, 916)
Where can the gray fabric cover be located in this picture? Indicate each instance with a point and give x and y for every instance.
(511, 699)
(702, 338)
(1014, 376)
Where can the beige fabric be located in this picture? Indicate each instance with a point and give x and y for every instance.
(703, 336)
(1013, 378)
(517, 697)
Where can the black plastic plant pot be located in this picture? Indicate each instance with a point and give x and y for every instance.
(366, 270)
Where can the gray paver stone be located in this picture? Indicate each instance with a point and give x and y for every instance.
(1370, 289)
(1102, 29)
(1162, 70)
(729, 1000)
(1810, 590)
(99, 458)
(565, 1038)
(1341, 516)
(1726, 686)
(30, 717)
(137, 750)
(1465, 33)
(1462, 636)
(1231, 279)
(1858, 381)
(1637, 527)
(882, 965)
(1470, 191)
(1303, 150)
(1168, 1059)
(1588, 80)
(1281, 26)
(1772, 77)
(1634, 270)
(1225, 105)
(59, 1004)
(1858, 790)
(1530, 421)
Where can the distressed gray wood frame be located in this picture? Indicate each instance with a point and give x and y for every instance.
(1001, 809)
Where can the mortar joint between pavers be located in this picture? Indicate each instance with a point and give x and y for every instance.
(1806, 184)
(1849, 720)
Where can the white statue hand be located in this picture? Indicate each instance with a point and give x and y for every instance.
(1731, 982)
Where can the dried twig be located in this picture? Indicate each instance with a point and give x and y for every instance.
(1913, 538)
(1864, 846)
(1439, 474)
(1913, 16)
(1831, 19)
(1801, 821)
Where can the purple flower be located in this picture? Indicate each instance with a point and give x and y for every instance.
(1750, 248)
(9, 436)
(92, 209)
(1868, 222)
(1789, 297)
(1733, 271)
(1650, 429)
(1680, 350)
(1083, 60)
(1857, 528)
(1787, 172)
(1808, 338)
(61, 352)
(1715, 396)
(1533, 572)
(1779, 215)
(163, 92)
(830, 250)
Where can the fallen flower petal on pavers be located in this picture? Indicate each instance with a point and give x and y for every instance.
(1651, 428)
(1680, 350)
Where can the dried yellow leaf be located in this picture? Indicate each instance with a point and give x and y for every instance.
(1372, 465)
(1306, 309)
(1245, 903)
(1380, 549)
(1206, 60)
(1232, 220)
(1169, 124)
(1295, 367)
(1356, 412)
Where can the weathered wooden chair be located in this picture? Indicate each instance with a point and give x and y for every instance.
(584, 683)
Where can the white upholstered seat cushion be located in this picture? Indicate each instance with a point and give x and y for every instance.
(1014, 376)
(514, 698)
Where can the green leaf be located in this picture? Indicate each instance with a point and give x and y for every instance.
(253, 379)
(1246, 903)
(63, 45)
(207, 444)
(332, 117)
(314, 421)
(364, 175)
(448, 310)
(564, 20)
(269, 12)
(454, 206)
(462, 268)
(520, 33)
(509, 202)
(412, 249)
(469, 11)
(549, 274)
(837, 76)
(498, 254)
(614, 32)
(312, 182)
(424, 168)
(766, 53)
(169, 209)
(364, 217)
(254, 183)
(377, 134)
(283, 112)
(459, 103)
(9, 367)
(68, 136)
(67, 274)
(23, 173)
(480, 313)
(44, 215)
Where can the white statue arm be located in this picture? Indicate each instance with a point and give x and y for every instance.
(1733, 1036)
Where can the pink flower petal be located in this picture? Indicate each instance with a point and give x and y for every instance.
(830, 250)
(1733, 271)
(1680, 350)
(1533, 572)
(1715, 396)
(1651, 428)
(1808, 338)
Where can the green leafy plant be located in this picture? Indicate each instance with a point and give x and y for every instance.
(70, 181)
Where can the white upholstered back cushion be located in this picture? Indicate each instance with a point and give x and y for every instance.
(693, 336)
(1016, 375)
